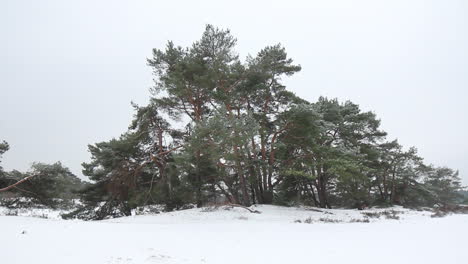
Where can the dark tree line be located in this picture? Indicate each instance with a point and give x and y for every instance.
(218, 129)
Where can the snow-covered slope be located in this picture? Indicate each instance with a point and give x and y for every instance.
(234, 235)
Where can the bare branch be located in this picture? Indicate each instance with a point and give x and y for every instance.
(17, 183)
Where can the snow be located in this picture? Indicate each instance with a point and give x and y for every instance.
(234, 235)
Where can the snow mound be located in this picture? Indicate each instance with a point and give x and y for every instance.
(275, 214)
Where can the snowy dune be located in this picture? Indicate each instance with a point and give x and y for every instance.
(222, 236)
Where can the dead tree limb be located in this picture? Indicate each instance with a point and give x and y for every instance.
(15, 184)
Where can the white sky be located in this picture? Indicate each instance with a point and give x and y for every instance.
(69, 69)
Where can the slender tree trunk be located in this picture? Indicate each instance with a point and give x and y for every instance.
(229, 196)
(254, 185)
(199, 181)
(259, 176)
(264, 162)
(393, 193)
(314, 198)
(322, 188)
(240, 173)
(385, 187)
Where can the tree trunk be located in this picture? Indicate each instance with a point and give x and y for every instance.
(240, 173)
(322, 189)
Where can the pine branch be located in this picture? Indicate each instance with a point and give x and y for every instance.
(17, 183)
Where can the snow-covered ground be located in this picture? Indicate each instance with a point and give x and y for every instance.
(234, 235)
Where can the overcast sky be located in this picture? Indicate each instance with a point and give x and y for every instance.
(69, 69)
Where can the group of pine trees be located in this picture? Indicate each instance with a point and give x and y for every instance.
(221, 130)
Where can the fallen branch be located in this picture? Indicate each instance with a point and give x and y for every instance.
(15, 184)
(246, 208)
(315, 210)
